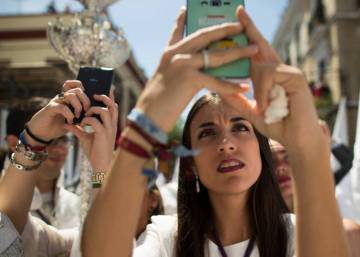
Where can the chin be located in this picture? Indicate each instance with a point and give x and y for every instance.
(232, 188)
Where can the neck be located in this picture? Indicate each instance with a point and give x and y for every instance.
(231, 217)
(45, 186)
(290, 204)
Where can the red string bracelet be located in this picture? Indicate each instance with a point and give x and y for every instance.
(159, 150)
(132, 147)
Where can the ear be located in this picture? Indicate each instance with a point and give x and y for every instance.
(11, 141)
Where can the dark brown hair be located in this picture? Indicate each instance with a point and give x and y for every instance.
(265, 204)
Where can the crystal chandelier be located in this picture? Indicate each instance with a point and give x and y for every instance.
(89, 39)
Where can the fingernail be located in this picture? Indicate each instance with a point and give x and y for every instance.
(183, 8)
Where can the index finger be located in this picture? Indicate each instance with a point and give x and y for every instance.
(205, 36)
(178, 31)
(250, 29)
(70, 84)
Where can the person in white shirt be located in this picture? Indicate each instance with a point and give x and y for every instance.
(229, 202)
(51, 202)
(28, 233)
(284, 177)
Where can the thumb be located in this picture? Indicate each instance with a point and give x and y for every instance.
(76, 130)
(247, 108)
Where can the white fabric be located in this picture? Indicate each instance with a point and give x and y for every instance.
(158, 240)
(340, 132)
(348, 191)
(355, 170)
(278, 106)
(8, 236)
(66, 212)
(168, 191)
(38, 239)
(42, 240)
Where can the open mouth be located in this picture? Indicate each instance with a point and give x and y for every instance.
(230, 166)
(283, 179)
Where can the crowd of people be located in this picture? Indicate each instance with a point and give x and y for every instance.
(245, 187)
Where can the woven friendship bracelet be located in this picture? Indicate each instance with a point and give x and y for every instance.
(139, 122)
(133, 147)
(148, 126)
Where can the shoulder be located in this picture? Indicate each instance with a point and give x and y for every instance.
(159, 236)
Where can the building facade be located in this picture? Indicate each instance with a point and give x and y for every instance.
(29, 66)
(322, 37)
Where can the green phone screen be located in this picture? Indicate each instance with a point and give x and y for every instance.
(201, 14)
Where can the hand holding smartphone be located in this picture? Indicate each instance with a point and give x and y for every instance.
(95, 81)
(205, 13)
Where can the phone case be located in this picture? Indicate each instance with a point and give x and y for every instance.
(201, 14)
(95, 81)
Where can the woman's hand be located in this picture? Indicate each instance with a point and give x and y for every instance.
(98, 145)
(300, 126)
(179, 77)
(48, 123)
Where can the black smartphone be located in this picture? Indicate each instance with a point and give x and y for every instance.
(96, 81)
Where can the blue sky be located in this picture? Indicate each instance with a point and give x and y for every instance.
(147, 23)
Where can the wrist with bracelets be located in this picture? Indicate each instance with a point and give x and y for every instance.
(36, 154)
(154, 136)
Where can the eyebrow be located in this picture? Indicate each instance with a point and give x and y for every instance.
(236, 119)
(210, 124)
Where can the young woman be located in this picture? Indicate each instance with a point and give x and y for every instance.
(231, 170)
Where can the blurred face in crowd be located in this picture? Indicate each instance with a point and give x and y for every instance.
(150, 202)
(229, 161)
(57, 153)
(283, 172)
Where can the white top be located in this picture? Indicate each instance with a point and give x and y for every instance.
(158, 240)
(66, 211)
(37, 240)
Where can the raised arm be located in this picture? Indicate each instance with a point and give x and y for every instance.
(111, 223)
(319, 230)
(17, 186)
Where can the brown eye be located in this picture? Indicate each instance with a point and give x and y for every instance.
(239, 127)
(206, 133)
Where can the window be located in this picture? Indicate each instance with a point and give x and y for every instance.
(318, 16)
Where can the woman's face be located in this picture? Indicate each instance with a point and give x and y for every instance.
(282, 170)
(229, 161)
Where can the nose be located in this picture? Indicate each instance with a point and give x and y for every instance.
(281, 169)
(226, 146)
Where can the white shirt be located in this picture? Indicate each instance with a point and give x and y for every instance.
(37, 240)
(158, 240)
(66, 211)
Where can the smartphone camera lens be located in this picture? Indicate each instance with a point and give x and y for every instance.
(216, 2)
